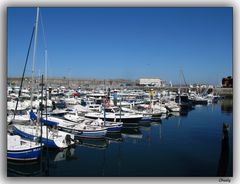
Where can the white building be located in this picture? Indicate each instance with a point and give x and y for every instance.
(151, 82)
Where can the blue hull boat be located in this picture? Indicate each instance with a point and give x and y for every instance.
(56, 139)
(26, 154)
(20, 149)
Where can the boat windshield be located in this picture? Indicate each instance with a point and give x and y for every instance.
(112, 110)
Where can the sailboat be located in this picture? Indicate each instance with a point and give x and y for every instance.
(50, 138)
(20, 149)
(39, 133)
(80, 130)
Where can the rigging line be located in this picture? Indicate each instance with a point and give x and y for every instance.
(183, 77)
(34, 57)
(20, 90)
(43, 32)
(45, 47)
(46, 93)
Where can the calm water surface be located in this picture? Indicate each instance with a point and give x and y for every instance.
(186, 145)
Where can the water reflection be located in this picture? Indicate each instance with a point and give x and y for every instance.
(178, 114)
(227, 105)
(174, 114)
(156, 123)
(146, 125)
(164, 116)
(32, 168)
(51, 157)
(131, 132)
(92, 143)
(59, 155)
(184, 113)
(41, 166)
(224, 156)
(114, 137)
(161, 141)
(66, 154)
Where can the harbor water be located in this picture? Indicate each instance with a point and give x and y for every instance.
(189, 144)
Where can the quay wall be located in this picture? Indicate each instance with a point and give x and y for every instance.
(109, 83)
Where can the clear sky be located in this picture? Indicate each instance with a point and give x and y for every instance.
(127, 43)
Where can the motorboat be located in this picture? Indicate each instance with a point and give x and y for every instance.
(111, 126)
(173, 106)
(115, 114)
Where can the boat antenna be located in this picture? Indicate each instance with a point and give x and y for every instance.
(34, 55)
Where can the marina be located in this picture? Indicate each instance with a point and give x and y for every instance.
(171, 137)
(191, 142)
(108, 126)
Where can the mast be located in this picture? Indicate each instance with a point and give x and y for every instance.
(179, 100)
(45, 52)
(45, 63)
(45, 46)
(34, 55)
(46, 66)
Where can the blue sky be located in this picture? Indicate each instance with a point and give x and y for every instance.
(127, 43)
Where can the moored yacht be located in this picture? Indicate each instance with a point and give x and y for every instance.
(115, 114)
(173, 106)
(111, 126)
